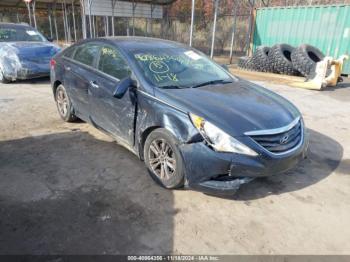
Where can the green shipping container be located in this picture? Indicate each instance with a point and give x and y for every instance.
(327, 27)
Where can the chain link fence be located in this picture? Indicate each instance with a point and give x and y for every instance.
(233, 17)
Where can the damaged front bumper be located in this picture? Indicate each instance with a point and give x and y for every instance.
(219, 173)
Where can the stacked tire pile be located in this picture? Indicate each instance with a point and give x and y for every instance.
(283, 59)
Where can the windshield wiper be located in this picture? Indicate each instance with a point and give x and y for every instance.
(212, 82)
(171, 87)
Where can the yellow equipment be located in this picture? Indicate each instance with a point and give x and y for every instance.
(320, 79)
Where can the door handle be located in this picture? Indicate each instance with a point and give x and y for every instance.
(67, 68)
(94, 85)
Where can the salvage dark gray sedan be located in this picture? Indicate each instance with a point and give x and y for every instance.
(191, 121)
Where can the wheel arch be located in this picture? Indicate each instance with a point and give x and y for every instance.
(179, 126)
(54, 87)
(143, 138)
(153, 113)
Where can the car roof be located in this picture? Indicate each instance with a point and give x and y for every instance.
(137, 42)
(14, 26)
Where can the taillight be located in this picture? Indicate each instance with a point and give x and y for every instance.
(52, 63)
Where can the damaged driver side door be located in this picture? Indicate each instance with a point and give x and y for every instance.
(114, 115)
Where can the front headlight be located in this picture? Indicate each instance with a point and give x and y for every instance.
(218, 139)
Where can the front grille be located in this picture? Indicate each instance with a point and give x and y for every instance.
(280, 142)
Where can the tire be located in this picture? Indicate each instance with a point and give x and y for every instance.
(305, 57)
(168, 178)
(64, 105)
(252, 64)
(242, 62)
(261, 58)
(280, 60)
(248, 63)
(3, 78)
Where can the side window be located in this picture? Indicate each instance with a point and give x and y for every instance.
(86, 53)
(112, 63)
(7, 34)
(69, 52)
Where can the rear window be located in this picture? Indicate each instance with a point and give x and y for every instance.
(69, 52)
(87, 53)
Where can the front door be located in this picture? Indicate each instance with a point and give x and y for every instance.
(112, 114)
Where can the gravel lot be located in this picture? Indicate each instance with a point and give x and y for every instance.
(69, 189)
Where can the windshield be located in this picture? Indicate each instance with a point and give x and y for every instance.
(20, 34)
(178, 68)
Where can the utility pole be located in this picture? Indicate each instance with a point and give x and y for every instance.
(216, 3)
(192, 21)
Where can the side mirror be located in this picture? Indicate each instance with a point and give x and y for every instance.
(224, 66)
(122, 87)
(49, 39)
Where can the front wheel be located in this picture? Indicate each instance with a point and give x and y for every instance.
(64, 105)
(163, 159)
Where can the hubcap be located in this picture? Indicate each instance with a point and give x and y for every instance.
(161, 159)
(62, 102)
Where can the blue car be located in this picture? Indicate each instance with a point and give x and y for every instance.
(24, 52)
(191, 121)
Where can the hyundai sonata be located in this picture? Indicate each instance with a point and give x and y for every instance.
(192, 122)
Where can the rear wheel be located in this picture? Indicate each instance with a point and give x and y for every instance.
(163, 159)
(64, 105)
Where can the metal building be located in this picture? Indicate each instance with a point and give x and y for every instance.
(89, 10)
(109, 9)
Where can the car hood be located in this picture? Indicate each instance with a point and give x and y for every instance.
(236, 107)
(33, 50)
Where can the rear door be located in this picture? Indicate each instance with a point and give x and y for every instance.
(79, 72)
(112, 114)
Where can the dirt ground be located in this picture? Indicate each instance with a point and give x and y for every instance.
(69, 189)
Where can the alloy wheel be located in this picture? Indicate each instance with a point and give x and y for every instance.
(162, 159)
(62, 102)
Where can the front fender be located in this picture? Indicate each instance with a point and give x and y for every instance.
(153, 113)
